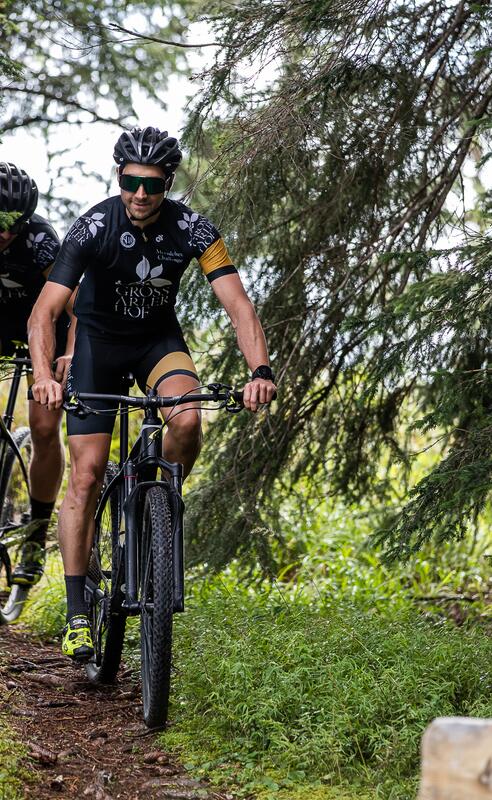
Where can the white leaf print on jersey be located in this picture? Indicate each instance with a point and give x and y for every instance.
(95, 222)
(143, 268)
(32, 239)
(187, 221)
(84, 227)
(9, 284)
(201, 232)
(148, 275)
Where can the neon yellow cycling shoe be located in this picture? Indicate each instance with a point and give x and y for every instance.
(29, 570)
(77, 638)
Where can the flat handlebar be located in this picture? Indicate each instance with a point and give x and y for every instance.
(215, 393)
(157, 401)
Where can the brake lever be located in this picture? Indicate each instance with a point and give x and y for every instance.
(216, 388)
(76, 407)
(231, 404)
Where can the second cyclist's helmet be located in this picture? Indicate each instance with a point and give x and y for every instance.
(148, 146)
(18, 192)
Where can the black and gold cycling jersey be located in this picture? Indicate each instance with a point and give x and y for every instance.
(129, 277)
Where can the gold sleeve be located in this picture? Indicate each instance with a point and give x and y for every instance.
(216, 258)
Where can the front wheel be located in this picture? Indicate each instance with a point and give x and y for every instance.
(156, 597)
(15, 516)
(104, 588)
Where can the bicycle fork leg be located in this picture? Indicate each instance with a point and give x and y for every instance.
(131, 543)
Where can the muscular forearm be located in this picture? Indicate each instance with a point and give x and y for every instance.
(251, 339)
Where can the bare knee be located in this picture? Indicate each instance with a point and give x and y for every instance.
(45, 436)
(186, 427)
(85, 481)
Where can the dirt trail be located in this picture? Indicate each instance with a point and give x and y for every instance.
(84, 741)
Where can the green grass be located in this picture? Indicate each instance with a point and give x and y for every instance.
(13, 774)
(283, 696)
(322, 685)
(13, 771)
(45, 609)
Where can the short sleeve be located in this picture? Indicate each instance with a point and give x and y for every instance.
(209, 249)
(78, 248)
(45, 246)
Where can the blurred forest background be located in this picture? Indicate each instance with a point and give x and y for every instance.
(344, 150)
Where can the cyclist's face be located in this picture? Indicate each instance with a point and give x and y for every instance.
(140, 204)
(5, 239)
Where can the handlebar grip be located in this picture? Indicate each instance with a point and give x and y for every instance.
(29, 394)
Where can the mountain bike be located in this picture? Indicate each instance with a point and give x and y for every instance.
(136, 565)
(15, 453)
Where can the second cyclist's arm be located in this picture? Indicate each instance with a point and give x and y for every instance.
(62, 282)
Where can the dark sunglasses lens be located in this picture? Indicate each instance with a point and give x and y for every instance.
(130, 183)
(154, 185)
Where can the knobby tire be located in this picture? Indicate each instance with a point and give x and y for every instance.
(106, 572)
(156, 595)
(14, 511)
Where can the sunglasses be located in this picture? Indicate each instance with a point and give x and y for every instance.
(131, 183)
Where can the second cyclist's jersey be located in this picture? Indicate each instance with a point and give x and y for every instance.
(22, 270)
(129, 277)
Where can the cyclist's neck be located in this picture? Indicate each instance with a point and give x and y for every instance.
(143, 222)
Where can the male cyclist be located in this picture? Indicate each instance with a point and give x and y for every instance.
(132, 250)
(27, 250)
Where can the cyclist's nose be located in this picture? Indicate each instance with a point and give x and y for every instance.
(141, 191)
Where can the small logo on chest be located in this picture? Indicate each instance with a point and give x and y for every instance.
(127, 240)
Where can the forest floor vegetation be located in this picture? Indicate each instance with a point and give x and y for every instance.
(320, 685)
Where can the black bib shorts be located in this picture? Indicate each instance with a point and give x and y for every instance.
(101, 362)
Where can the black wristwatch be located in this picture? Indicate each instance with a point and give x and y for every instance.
(263, 372)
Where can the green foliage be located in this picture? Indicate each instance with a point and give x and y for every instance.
(278, 690)
(45, 609)
(94, 64)
(334, 135)
(13, 772)
(8, 68)
(7, 219)
(84, 62)
(320, 685)
(435, 346)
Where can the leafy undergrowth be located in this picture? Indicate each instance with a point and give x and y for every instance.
(285, 696)
(13, 771)
(44, 611)
(323, 684)
(13, 774)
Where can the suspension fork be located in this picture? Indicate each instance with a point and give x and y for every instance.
(149, 443)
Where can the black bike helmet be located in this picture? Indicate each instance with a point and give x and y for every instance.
(148, 146)
(18, 192)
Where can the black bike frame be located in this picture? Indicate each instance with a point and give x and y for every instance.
(7, 418)
(138, 471)
(143, 462)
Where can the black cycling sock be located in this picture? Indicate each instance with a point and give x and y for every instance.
(41, 511)
(75, 595)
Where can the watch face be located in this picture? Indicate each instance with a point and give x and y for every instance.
(263, 372)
